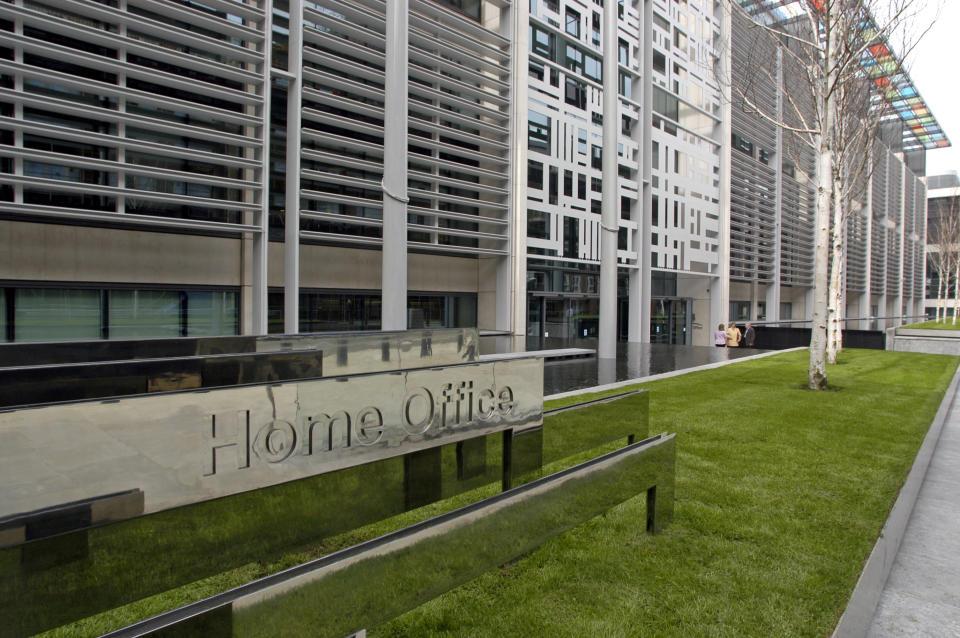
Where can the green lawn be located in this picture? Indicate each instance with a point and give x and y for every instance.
(781, 493)
(946, 324)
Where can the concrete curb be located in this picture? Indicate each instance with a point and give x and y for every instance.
(858, 616)
(664, 375)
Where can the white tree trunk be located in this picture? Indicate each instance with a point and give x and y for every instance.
(817, 370)
(834, 310)
(826, 104)
(939, 294)
(956, 290)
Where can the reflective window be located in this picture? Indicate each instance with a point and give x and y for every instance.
(145, 313)
(42, 314)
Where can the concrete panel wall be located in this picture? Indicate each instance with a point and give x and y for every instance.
(358, 269)
(698, 289)
(797, 297)
(53, 253)
(739, 291)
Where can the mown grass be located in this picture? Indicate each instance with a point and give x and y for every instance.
(946, 324)
(781, 493)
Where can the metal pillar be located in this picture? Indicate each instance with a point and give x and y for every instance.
(394, 279)
(607, 347)
(639, 327)
(291, 232)
(720, 283)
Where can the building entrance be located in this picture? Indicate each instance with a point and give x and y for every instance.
(670, 321)
(564, 318)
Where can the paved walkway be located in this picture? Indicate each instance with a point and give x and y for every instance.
(922, 594)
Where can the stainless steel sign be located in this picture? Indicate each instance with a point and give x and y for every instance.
(185, 447)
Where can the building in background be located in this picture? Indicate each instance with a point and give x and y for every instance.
(773, 200)
(943, 200)
(447, 163)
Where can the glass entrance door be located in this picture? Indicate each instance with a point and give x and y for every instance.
(668, 321)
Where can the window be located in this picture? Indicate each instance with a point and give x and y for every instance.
(661, 22)
(679, 39)
(596, 157)
(538, 133)
(582, 141)
(623, 52)
(534, 175)
(626, 86)
(659, 62)
(593, 68)
(789, 169)
(536, 69)
(145, 313)
(742, 145)
(573, 23)
(574, 59)
(469, 8)
(665, 104)
(581, 186)
(575, 93)
(765, 156)
(595, 27)
(554, 184)
(568, 183)
(740, 310)
(571, 237)
(538, 224)
(50, 314)
(542, 42)
(57, 314)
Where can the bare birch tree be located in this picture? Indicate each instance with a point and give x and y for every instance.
(827, 42)
(945, 237)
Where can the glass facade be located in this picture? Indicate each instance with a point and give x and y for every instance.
(337, 311)
(71, 314)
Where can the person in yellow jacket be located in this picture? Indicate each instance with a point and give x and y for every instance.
(733, 336)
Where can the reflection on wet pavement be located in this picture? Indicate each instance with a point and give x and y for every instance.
(634, 360)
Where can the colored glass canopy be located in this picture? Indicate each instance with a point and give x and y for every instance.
(920, 128)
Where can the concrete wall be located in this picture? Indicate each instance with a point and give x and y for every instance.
(797, 297)
(53, 253)
(928, 341)
(698, 289)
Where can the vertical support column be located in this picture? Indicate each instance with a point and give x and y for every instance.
(773, 291)
(639, 306)
(512, 296)
(922, 218)
(882, 324)
(18, 108)
(902, 226)
(394, 279)
(868, 259)
(258, 319)
(607, 347)
(291, 234)
(720, 283)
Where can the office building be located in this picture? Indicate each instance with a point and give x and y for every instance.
(449, 169)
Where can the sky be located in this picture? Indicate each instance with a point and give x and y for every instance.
(931, 67)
